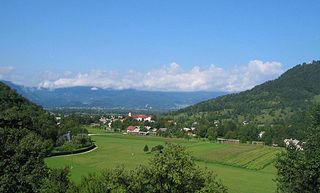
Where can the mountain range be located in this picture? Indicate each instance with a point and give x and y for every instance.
(128, 99)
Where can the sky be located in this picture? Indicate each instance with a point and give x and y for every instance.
(174, 45)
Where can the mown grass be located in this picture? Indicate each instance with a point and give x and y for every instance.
(229, 162)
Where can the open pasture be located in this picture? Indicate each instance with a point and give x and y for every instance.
(243, 168)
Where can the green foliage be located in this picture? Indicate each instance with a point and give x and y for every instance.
(173, 170)
(27, 135)
(17, 112)
(56, 182)
(211, 134)
(157, 148)
(71, 123)
(82, 139)
(146, 148)
(77, 142)
(21, 160)
(299, 169)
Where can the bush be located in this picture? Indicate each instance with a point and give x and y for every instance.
(146, 148)
(82, 140)
(157, 148)
(81, 150)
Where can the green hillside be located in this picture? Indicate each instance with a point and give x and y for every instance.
(19, 113)
(279, 103)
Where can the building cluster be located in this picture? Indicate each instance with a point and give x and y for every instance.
(109, 120)
(141, 117)
(228, 141)
(294, 143)
(147, 130)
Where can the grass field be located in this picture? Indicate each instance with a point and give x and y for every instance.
(243, 168)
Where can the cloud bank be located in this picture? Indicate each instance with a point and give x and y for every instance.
(173, 78)
(4, 70)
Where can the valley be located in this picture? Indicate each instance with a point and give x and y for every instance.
(242, 168)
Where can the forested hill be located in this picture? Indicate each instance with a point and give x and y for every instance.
(19, 113)
(276, 101)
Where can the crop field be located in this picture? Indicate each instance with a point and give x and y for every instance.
(243, 168)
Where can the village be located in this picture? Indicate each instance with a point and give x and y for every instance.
(147, 128)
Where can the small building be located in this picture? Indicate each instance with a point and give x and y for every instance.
(152, 131)
(261, 134)
(67, 136)
(257, 142)
(228, 141)
(245, 122)
(189, 131)
(103, 120)
(186, 129)
(294, 143)
(216, 123)
(133, 129)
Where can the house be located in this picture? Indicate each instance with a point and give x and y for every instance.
(133, 129)
(141, 117)
(189, 131)
(186, 129)
(216, 123)
(228, 141)
(152, 131)
(261, 134)
(245, 122)
(67, 136)
(294, 143)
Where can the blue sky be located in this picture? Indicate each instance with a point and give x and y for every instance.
(87, 42)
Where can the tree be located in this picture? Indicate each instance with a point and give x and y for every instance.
(22, 168)
(299, 169)
(212, 134)
(174, 170)
(146, 148)
(57, 181)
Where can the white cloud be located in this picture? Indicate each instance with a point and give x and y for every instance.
(174, 78)
(5, 72)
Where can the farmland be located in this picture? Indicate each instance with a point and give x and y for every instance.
(243, 168)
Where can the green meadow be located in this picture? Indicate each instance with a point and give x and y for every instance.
(243, 168)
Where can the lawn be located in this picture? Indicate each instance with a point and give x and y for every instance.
(243, 168)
